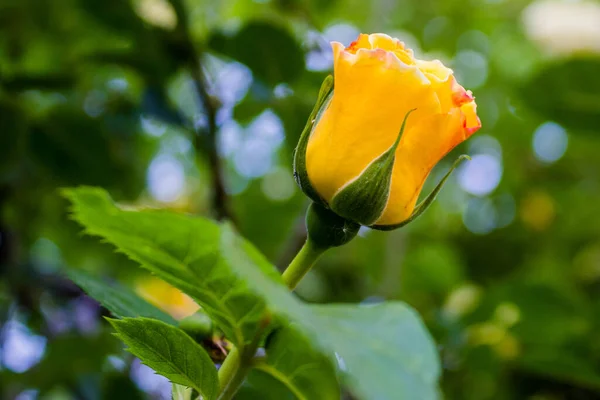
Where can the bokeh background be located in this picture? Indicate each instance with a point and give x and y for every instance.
(196, 106)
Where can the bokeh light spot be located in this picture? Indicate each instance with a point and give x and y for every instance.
(344, 33)
(278, 184)
(481, 175)
(485, 144)
(152, 126)
(474, 40)
(480, 216)
(21, 349)
(550, 142)
(255, 155)
(471, 68)
(149, 381)
(537, 210)
(507, 209)
(166, 178)
(233, 81)
(94, 103)
(156, 12)
(29, 394)
(229, 138)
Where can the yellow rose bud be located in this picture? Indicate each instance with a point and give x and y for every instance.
(377, 82)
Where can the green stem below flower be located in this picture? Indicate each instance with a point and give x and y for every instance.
(325, 230)
(301, 264)
(234, 369)
(231, 375)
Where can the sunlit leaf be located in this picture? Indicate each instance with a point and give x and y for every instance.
(384, 348)
(185, 252)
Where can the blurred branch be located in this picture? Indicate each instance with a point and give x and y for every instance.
(220, 200)
(205, 142)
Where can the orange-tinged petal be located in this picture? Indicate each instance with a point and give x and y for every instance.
(420, 150)
(362, 42)
(364, 116)
(471, 122)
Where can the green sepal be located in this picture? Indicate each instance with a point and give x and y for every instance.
(300, 172)
(424, 205)
(327, 229)
(364, 199)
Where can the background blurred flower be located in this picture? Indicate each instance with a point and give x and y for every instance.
(563, 27)
(165, 296)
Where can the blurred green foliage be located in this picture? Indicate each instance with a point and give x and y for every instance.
(504, 268)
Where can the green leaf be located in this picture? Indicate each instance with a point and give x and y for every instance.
(185, 252)
(385, 352)
(261, 385)
(306, 372)
(385, 349)
(169, 352)
(118, 299)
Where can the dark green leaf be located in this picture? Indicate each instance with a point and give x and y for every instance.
(118, 299)
(71, 147)
(306, 372)
(67, 358)
(260, 385)
(169, 352)
(270, 51)
(562, 365)
(183, 251)
(12, 133)
(120, 387)
(571, 93)
(115, 14)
